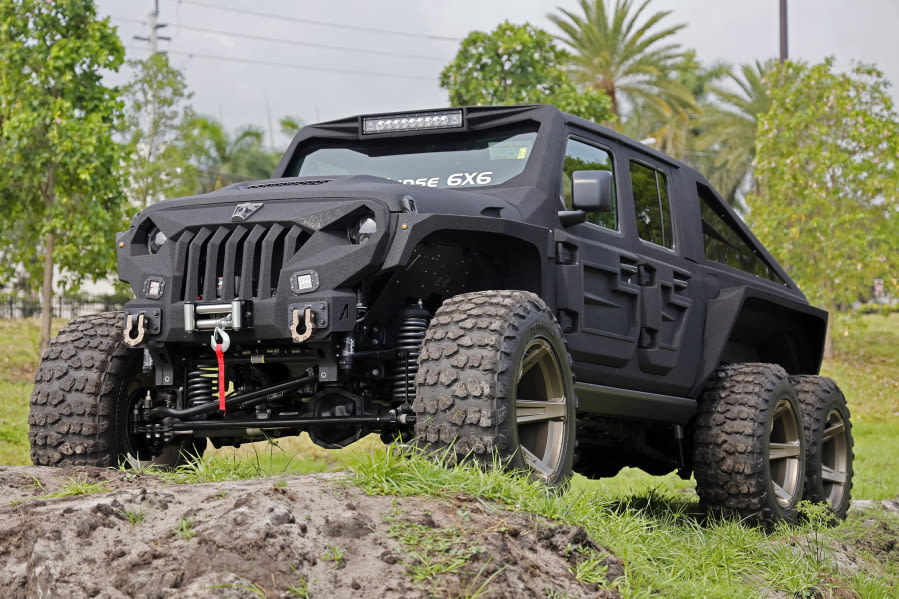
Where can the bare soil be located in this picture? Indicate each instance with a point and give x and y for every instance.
(272, 537)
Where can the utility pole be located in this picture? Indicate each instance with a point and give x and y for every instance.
(152, 27)
(153, 39)
(783, 31)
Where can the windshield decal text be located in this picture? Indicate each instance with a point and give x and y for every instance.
(461, 179)
(454, 180)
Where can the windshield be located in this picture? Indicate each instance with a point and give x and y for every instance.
(472, 159)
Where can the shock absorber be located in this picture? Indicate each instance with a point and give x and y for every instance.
(409, 337)
(202, 383)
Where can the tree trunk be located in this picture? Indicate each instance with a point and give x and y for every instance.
(828, 339)
(47, 292)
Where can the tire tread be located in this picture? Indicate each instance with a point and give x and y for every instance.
(729, 466)
(74, 394)
(465, 359)
(815, 393)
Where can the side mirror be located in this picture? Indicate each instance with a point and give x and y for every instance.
(592, 190)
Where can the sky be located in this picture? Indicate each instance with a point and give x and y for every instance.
(348, 57)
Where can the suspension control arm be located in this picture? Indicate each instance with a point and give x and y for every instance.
(234, 402)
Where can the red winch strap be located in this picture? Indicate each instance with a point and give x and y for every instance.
(220, 356)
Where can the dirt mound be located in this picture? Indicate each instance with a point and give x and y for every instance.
(294, 536)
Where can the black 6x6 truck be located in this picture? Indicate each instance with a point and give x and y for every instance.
(502, 281)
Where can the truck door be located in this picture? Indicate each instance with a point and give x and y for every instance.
(670, 328)
(598, 295)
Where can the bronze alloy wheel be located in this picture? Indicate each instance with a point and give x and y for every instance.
(540, 410)
(828, 434)
(494, 384)
(784, 451)
(835, 458)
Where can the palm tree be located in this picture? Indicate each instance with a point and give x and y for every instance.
(674, 127)
(220, 159)
(729, 127)
(631, 63)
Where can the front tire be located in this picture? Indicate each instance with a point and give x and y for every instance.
(495, 377)
(828, 434)
(84, 390)
(749, 452)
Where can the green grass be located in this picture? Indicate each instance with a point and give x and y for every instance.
(334, 554)
(185, 528)
(430, 551)
(651, 523)
(669, 549)
(135, 516)
(291, 455)
(866, 367)
(75, 486)
(876, 450)
(19, 358)
(18, 361)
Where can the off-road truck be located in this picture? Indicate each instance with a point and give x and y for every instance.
(510, 281)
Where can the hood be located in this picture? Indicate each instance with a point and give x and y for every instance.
(397, 196)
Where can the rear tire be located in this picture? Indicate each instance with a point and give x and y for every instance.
(84, 390)
(828, 434)
(495, 378)
(749, 451)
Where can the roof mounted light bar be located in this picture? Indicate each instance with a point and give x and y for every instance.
(390, 123)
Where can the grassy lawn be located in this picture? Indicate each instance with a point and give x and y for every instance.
(18, 361)
(668, 548)
(866, 367)
(651, 523)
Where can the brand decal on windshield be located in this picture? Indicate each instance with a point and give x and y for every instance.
(454, 180)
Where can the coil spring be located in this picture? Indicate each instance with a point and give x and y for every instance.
(202, 383)
(409, 338)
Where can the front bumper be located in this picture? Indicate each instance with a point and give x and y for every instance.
(252, 278)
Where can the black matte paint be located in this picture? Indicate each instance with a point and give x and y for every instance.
(647, 320)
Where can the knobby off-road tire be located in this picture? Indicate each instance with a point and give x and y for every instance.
(84, 389)
(494, 379)
(749, 451)
(828, 435)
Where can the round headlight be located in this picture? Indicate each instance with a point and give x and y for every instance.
(363, 230)
(155, 239)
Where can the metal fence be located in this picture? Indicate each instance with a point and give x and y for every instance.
(63, 307)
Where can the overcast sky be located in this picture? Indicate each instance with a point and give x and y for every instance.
(358, 56)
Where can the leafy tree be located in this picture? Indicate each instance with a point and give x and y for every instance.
(155, 109)
(826, 163)
(60, 186)
(517, 64)
(628, 61)
(730, 124)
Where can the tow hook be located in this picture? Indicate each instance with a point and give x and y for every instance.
(221, 338)
(309, 324)
(132, 337)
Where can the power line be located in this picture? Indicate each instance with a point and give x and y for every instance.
(296, 42)
(292, 66)
(442, 38)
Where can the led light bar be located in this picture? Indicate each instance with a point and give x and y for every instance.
(445, 119)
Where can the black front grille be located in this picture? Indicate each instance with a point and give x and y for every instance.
(236, 261)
